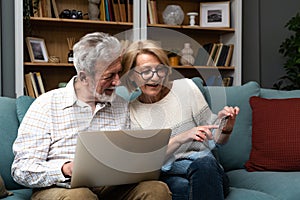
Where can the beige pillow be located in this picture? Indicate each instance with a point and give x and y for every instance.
(3, 191)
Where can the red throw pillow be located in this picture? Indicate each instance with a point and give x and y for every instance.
(275, 135)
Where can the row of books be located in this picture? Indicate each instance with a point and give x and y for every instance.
(110, 10)
(214, 54)
(116, 10)
(34, 86)
(44, 8)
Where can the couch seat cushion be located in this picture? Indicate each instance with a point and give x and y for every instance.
(20, 194)
(246, 194)
(236, 152)
(280, 185)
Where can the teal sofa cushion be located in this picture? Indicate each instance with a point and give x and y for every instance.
(8, 133)
(235, 153)
(21, 194)
(280, 185)
(279, 94)
(22, 105)
(246, 194)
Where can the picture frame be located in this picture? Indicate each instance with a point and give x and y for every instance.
(37, 49)
(215, 14)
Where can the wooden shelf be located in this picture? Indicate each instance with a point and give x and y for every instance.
(175, 67)
(203, 67)
(76, 22)
(125, 25)
(46, 64)
(197, 28)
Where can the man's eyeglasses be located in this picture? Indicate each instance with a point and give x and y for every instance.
(161, 71)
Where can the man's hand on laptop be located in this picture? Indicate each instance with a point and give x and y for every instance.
(67, 169)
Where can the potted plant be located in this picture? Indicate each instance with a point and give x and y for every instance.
(290, 48)
(29, 6)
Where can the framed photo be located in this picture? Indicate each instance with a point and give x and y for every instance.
(215, 14)
(37, 49)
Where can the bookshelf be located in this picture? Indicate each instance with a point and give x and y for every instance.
(198, 36)
(56, 30)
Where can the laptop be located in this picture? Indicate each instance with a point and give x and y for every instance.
(105, 158)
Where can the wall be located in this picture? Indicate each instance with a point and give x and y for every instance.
(7, 49)
(0, 48)
(263, 32)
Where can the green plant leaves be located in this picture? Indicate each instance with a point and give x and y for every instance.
(290, 49)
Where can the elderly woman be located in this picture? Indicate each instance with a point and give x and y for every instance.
(191, 171)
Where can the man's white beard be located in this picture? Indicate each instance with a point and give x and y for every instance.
(104, 97)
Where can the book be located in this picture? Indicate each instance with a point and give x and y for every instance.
(29, 85)
(54, 8)
(210, 60)
(46, 8)
(154, 11)
(229, 55)
(223, 55)
(122, 8)
(130, 10)
(40, 82)
(107, 14)
(116, 10)
(150, 14)
(218, 53)
(227, 81)
(102, 11)
(110, 10)
(34, 84)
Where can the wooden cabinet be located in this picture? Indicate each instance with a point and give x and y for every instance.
(55, 32)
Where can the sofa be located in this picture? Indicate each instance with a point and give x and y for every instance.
(254, 182)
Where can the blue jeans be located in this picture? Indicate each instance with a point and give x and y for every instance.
(198, 179)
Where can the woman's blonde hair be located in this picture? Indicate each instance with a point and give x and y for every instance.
(142, 47)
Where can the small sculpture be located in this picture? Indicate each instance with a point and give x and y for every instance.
(94, 9)
(187, 57)
(192, 16)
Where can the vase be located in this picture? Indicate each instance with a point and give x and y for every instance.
(187, 57)
(173, 15)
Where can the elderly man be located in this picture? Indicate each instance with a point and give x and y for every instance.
(45, 146)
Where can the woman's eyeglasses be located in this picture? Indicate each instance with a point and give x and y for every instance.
(161, 71)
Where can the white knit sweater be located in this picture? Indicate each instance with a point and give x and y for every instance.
(182, 109)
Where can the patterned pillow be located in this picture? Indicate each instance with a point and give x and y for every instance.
(275, 135)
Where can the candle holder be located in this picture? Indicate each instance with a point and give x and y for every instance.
(192, 16)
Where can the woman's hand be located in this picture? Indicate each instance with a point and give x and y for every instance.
(199, 133)
(231, 112)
